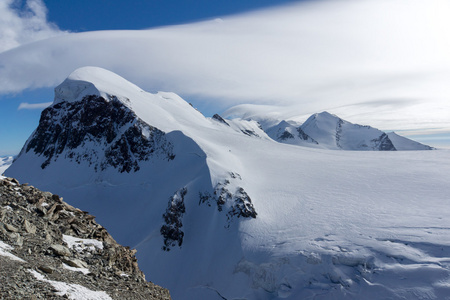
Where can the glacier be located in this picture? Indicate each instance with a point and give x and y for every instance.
(220, 210)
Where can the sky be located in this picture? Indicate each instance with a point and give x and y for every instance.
(384, 63)
(23, 22)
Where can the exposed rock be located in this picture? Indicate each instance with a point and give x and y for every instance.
(122, 138)
(383, 143)
(29, 228)
(16, 239)
(238, 202)
(74, 262)
(11, 228)
(46, 269)
(171, 231)
(285, 136)
(60, 250)
(62, 244)
(249, 132)
(303, 136)
(220, 119)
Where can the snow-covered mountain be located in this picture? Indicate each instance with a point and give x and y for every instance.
(219, 210)
(401, 143)
(327, 131)
(5, 162)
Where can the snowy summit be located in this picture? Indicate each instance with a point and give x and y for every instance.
(222, 209)
(93, 81)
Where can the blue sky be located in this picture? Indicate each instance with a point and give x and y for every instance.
(91, 15)
(86, 15)
(384, 63)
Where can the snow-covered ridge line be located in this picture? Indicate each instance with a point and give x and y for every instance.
(93, 81)
(93, 133)
(327, 131)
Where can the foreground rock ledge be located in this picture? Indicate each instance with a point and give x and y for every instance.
(58, 251)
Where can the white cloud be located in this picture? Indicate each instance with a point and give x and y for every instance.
(25, 105)
(18, 27)
(380, 62)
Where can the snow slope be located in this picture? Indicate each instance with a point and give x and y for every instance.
(257, 219)
(404, 144)
(5, 162)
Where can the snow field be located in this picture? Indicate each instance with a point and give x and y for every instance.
(329, 224)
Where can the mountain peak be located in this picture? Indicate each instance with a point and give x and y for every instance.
(325, 115)
(93, 81)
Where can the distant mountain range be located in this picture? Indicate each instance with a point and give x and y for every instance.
(324, 130)
(223, 209)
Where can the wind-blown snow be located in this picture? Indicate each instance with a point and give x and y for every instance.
(329, 224)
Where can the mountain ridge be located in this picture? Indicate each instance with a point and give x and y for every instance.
(52, 250)
(324, 130)
(253, 217)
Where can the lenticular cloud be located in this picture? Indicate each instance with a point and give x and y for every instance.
(384, 63)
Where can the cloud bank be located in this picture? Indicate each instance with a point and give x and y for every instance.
(40, 106)
(22, 26)
(380, 62)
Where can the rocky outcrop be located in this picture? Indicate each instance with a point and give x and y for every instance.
(220, 119)
(173, 218)
(238, 202)
(249, 132)
(383, 143)
(288, 133)
(303, 136)
(100, 132)
(51, 250)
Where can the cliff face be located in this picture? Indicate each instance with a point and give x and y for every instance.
(100, 132)
(51, 250)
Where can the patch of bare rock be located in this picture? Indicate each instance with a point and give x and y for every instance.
(52, 250)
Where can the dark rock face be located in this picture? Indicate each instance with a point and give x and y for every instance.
(239, 203)
(302, 135)
(34, 226)
(249, 132)
(173, 217)
(285, 136)
(242, 206)
(220, 119)
(383, 143)
(100, 132)
(339, 132)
